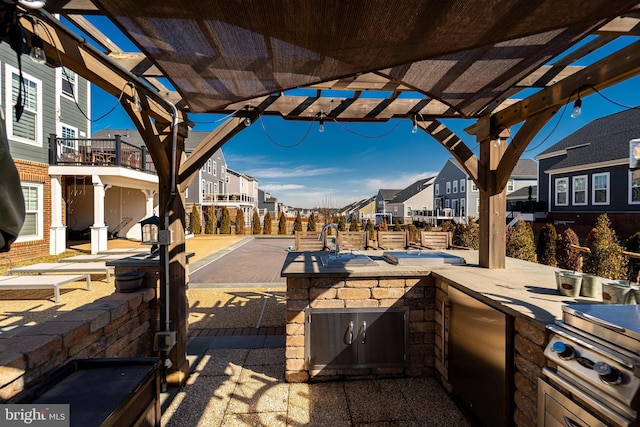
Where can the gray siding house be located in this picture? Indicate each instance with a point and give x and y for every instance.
(383, 197)
(456, 195)
(50, 97)
(417, 196)
(587, 174)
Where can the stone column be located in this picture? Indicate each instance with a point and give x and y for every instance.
(99, 236)
(57, 230)
(149, 207)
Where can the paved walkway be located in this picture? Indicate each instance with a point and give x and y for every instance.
(238, 372)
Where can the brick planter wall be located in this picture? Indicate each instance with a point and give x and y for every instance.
(416, 293)
(119, 325)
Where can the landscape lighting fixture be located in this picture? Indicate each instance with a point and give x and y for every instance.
(577, 108)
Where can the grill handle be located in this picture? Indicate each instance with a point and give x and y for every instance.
(599, 322)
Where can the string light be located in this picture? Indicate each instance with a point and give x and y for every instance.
(247, 119)
(37, 54)
(321, 125)
(577, 108)
(414, 129)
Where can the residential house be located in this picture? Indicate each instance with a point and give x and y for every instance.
(456, 196)
(383, 197)
(53, 98)
(242, 193)
(266, 202)
(358, 209)
(587, 174)
(417, 196)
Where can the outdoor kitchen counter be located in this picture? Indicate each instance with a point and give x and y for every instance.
(521, 289)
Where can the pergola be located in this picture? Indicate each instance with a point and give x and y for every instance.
(459, 59)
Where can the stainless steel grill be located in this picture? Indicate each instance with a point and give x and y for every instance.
(595, 379)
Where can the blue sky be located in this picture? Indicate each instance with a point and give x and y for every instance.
(351, 161)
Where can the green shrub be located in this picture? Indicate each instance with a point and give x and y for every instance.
(566, 257)
(448, 226)
(354, 224)
(239, 221)
(397, 226)
(196, 223)
(467, 235)
(414, 234)
(370, 229)
(311, 225)
(605, 258)
(297, 224)
(342, 223)
(225, 222)
(210, 222)
(520, 242)
(282, 224)
(633, 245)
(266, 228)
(256, 228)
(546, 246)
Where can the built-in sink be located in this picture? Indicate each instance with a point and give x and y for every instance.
(346, 260)
(422, 258)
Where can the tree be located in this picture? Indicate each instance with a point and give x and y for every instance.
(267, 223)
(354, 224)
(282, 224)
(370, 229)
(397, 226)
(196, 223)
(297, 224)
(520, 242)
(567, 257)
(239, 221)
(225, 222)
(605, 258)
(383, 225)
(256, 228)
(210, 222)
(311, 225)
(342, 224)
(546, 246)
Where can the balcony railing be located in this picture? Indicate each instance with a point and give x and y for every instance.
(99, 152)
(228, 198)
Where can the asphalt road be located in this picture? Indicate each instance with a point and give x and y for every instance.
(256, 263)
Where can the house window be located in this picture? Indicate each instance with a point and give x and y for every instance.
(462, 183)
(448, 188)
(462, 207)
(561, 191)
(215, 188)
(209, 165)
(68, 142)
(474, 187)
(454, 205)
(204, 189)
(477, 206)
(447, 204)
(437, 189)
(455, 186)
(634, 186)
(68, 82)
(29, 129)
(600, 194)
(408, 210)
(580, 190)
(33, 219)
(510, 185)
(204, 167)
(222, 171)
(215, 168)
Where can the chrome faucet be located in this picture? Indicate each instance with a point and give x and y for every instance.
(324, 230)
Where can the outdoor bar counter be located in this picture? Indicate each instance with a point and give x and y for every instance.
(468, 326)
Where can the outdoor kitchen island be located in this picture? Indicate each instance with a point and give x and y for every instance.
(334, 310)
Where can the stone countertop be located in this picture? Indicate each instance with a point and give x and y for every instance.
(521, 289)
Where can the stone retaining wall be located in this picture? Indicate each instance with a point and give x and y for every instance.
(119, 325)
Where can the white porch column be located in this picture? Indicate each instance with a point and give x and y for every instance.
(149, 205)
(57, 230)
(99, 236)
